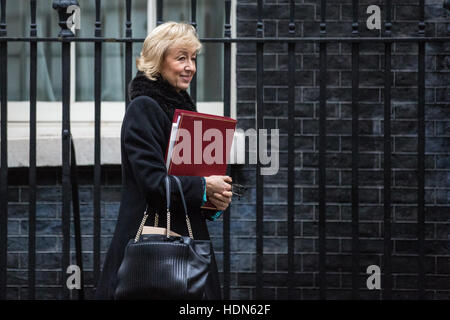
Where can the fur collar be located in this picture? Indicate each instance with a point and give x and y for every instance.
(160, 90)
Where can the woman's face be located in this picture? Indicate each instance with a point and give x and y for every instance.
(178, 67)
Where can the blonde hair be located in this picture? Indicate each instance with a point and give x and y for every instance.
(158, 42)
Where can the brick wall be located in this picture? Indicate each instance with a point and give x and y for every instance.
(404, 146)
(243, 217)
(49, 230)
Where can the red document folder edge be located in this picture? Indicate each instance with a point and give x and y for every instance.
(194, 164)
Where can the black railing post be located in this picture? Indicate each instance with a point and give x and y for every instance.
(97, 147)
(61, 6)
(193, 86)
(159, 12)
(291, 156)
(226, 106)
(4, 153)
(421, 155)
(32, 172)
(322, 152)
(128, 53)
(355, 154)
(259, 177)
(387, 265)
(66, 137)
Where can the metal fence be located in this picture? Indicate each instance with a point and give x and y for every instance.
(66, 37)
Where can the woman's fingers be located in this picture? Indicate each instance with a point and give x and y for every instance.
(220, 205)
(226, 182)
(217, 184)
(225, 199)
(227, 194)
(221, 201)
(218, 191)
(227, 179)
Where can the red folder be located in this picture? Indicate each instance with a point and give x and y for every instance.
(199, 145)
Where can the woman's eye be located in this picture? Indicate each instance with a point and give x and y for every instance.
(181, 58)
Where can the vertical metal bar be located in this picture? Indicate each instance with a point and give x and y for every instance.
(322, 153)
(259, 177)
(355, 154)
(32, 172)
(387, 267)
(128, 52)
(61, 7)
(159, 12)
(97, 147)
(421, 156)
(193, 86)
(4, 154)
(66, 194)
(194, 13)
(291, 155)
(226, 105)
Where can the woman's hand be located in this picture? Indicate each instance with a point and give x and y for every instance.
(218, 191)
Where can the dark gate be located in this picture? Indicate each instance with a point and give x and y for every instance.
(66, 37)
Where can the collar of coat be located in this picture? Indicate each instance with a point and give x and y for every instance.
(160, 90)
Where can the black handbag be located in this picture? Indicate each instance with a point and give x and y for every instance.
(159, 266)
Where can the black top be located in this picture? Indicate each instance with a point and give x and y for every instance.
(144, 136)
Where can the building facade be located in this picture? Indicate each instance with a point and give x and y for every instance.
(243, 272)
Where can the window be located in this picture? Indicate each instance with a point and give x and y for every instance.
(210, 17)
(113, 19)
(48, 53)
(210, 20)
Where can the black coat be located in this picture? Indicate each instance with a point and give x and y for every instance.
(144, 136)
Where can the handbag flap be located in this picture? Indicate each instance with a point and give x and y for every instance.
(158, 230)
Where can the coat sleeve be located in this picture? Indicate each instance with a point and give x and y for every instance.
(144, 136)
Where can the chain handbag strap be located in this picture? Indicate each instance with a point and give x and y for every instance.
(141, 226)
(167, 182)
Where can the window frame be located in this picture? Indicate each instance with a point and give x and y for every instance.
(49, 113)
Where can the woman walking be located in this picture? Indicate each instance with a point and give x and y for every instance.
(166, 66)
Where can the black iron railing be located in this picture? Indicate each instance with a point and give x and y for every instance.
(66, 37)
